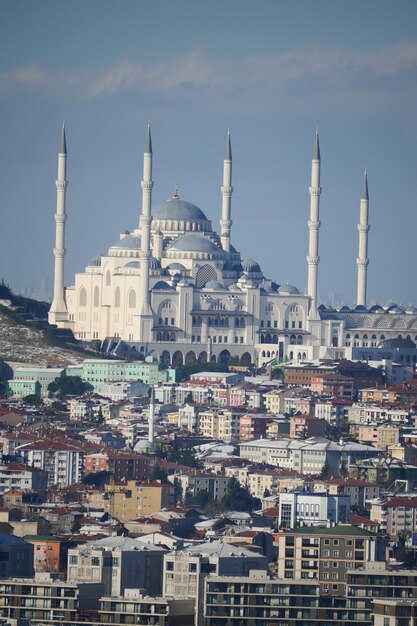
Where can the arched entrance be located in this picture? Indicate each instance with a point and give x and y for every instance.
(166, 357)
(246, 359)
(177, 358)
(224, 356)
(190, 358)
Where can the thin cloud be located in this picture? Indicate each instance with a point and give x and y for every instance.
(289, 72)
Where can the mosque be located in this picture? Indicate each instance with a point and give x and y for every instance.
(176, 290)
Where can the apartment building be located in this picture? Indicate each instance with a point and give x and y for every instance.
(359, 491)
(185, 570)
(191, 482)
(222, 425)
(304, 426)
(395, 515)
(374, 586)
(42, 600)
(61, 461)
(326, 554)
(135, 608)
(21, 477)
(259, 600)
(119, 563)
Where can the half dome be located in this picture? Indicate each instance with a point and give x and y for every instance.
(193, 243)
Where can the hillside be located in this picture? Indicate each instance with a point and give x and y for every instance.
(26, 337)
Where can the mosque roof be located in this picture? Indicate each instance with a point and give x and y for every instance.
(178, 210)
(154, 264)
(130, 242)
(396, 342)
(194, 243)
(213, 284)
(176, 266)
(132, 264)
(287, 289)
(95, 261)
(249, 265)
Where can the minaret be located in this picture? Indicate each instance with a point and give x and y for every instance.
(227, 190)
(151, 419)
(363, 227)
(58, 311)
(145, 311)
(313, 227)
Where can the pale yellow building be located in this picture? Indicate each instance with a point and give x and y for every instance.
(154, 496)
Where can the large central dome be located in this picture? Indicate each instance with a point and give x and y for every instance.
(176, 209)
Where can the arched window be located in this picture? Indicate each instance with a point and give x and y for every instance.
(108, 278)
(132, 299)
(96, 297)
(117, 298)
(82, 298)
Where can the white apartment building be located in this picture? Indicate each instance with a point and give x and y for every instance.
(63, 462)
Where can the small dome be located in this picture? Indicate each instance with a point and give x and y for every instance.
(411, 310)
(130, 242)
(376, 308)
(395, 310)
(288, 289)
(194, 243)
(389, 305)
(213, 284)
(95, 261)
(344, 309)
(249, 265)
(176, 267)
(154, 264)
(234, 287)
(360, 307)
(176, 209)
(132, 265)
(162, 285)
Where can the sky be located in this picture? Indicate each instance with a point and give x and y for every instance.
(271, 71)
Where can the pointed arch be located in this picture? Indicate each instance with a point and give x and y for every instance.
(117, 298)
(108, 279)
(96, 296)
(132, 299)
(82, 297)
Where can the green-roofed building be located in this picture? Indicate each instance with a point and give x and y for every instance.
(326, 553)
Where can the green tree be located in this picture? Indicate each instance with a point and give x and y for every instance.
(202, 498)
(67, 386)
(32, 399)
(238, 498)
(158, 473)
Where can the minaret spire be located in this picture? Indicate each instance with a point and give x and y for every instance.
(58, 311)
(145, 310)
(314, 226)
(226, 190)
(152, 418)
(363, 227)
